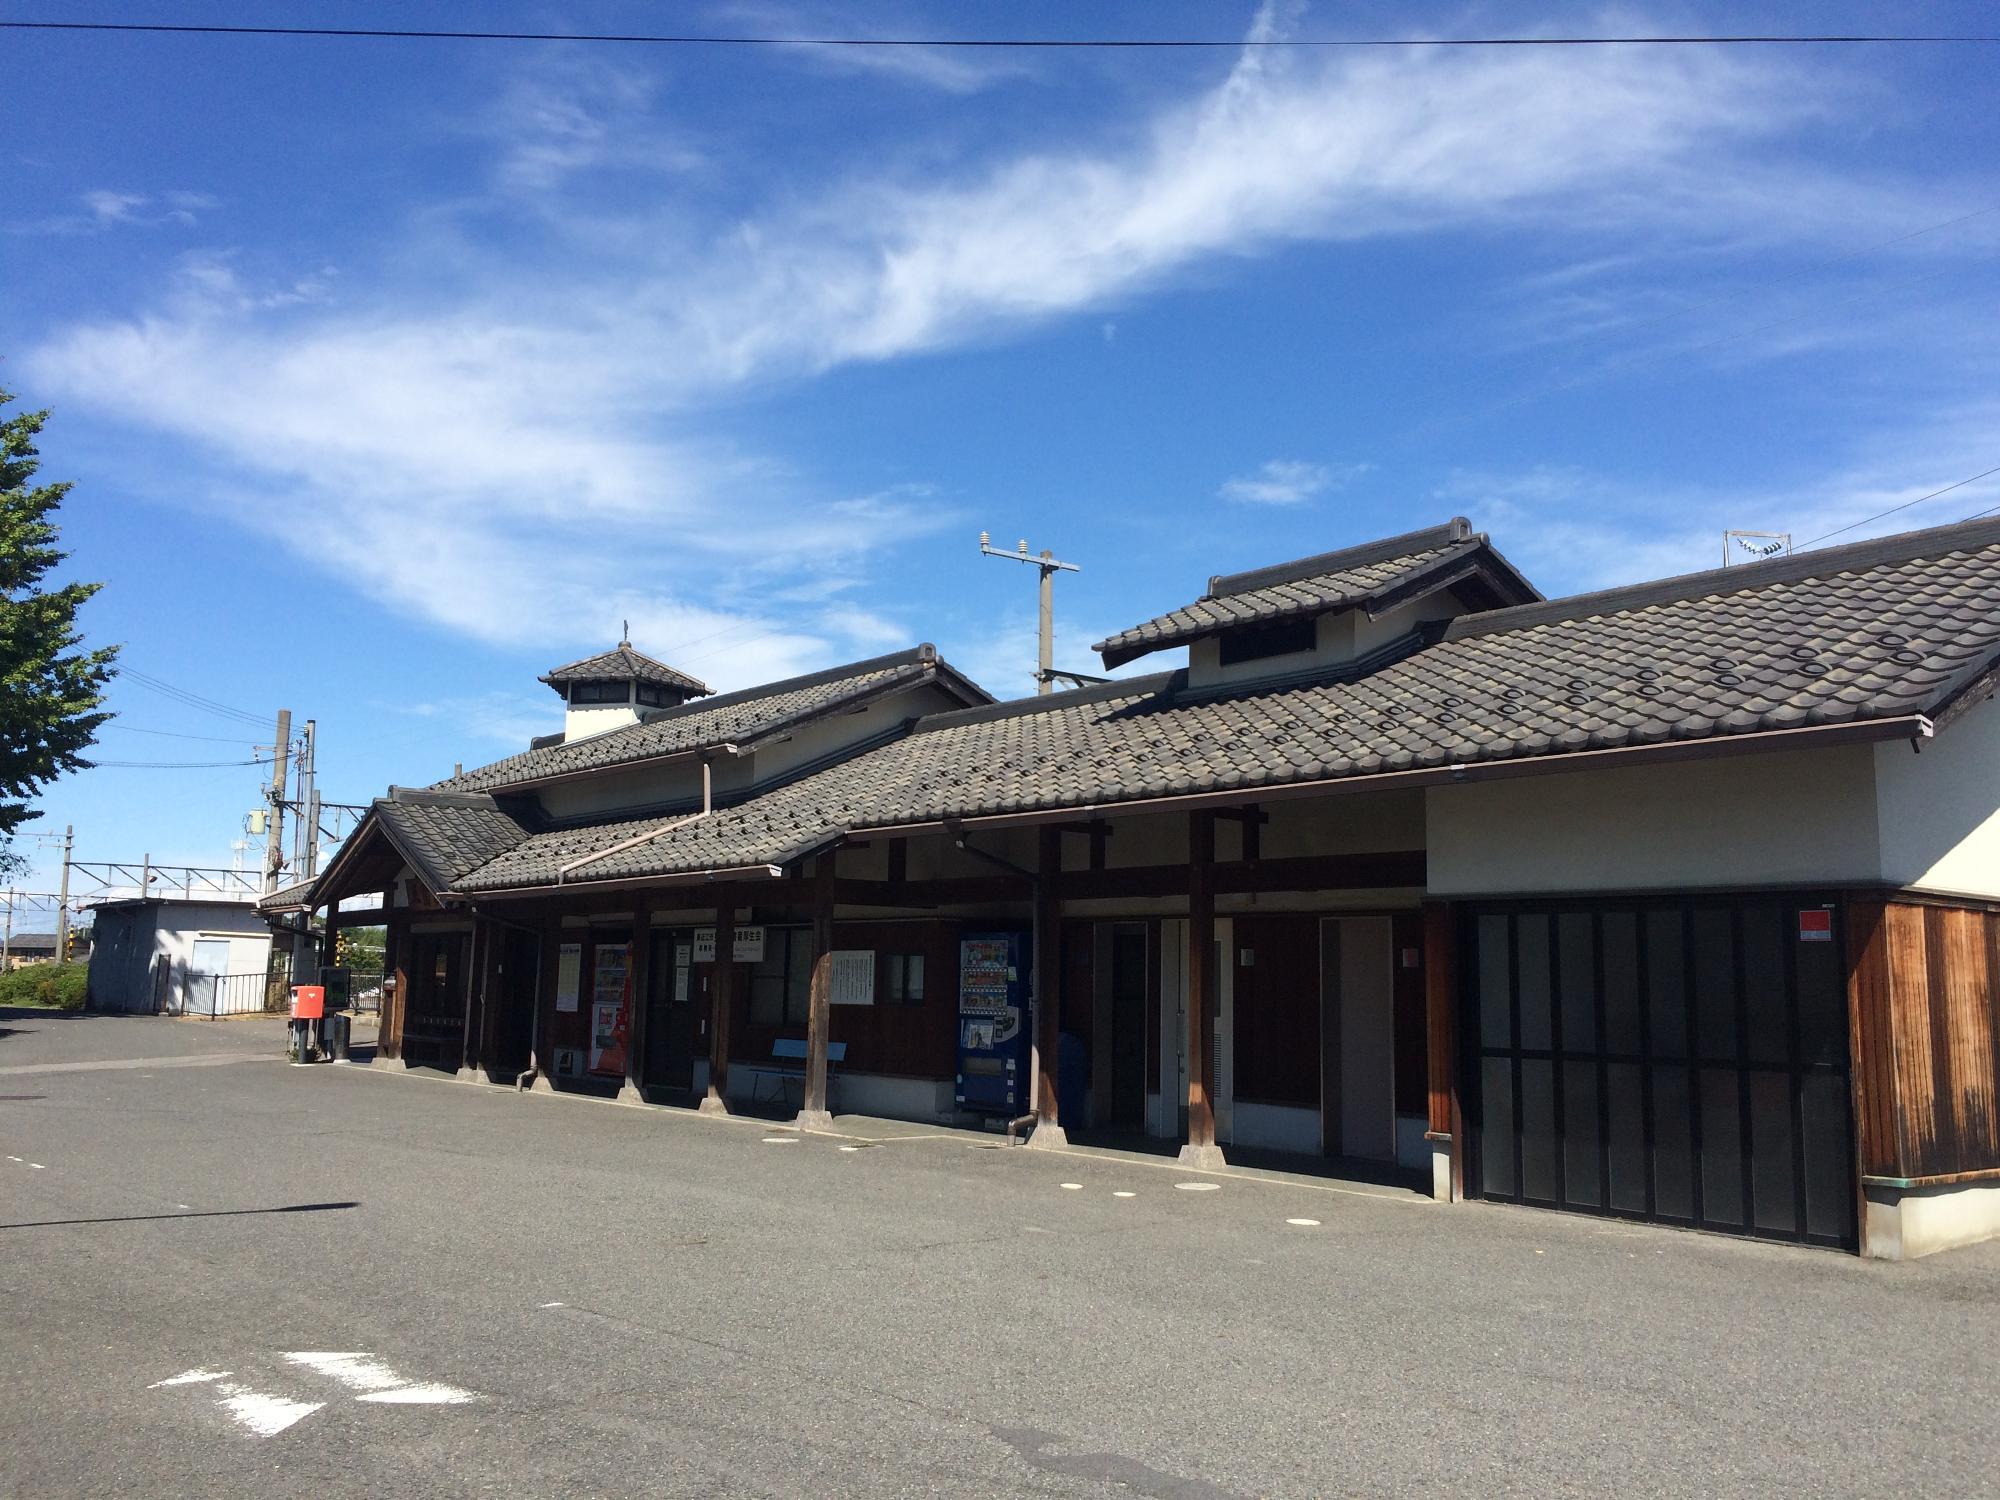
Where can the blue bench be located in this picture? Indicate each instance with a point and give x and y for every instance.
(788, 1063)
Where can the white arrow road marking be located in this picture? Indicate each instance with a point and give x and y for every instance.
(375, 1381)
(264, 1415)
(190, 1377)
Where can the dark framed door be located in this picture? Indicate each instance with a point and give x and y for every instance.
(434, 1018)
(676, 1009)
(1682, 1060)
(1131, 950)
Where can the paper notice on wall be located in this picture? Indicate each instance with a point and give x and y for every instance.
(853, 979)
(748, 946)
(680, 983)
(569, 971)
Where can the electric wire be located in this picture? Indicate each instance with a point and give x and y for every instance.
(1050, 44)
(1867, 520)
(191, 699)
(172, 765)
(174, 734)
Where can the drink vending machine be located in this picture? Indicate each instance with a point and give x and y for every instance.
(995, 1031)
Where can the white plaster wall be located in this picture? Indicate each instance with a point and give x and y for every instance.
(1940, 810)
(584, 720)
(1275, 1127)
(1777, 817)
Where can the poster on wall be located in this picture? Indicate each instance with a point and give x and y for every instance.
(569, 969)
(609, 993)
(853, 979)
(748, 947)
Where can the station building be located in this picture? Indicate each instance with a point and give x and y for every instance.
(1678, 902)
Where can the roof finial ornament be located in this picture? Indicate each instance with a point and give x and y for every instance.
(624, 632)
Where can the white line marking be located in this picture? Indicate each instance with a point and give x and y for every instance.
(1035, 1229)
(264, 1415)
(850, 1148)
(1199, 1187)
(1122, 1193)
(1304, 1223)
(1074, 1187)
(547, 1305)
(190, 1377)
(421, 1395)
(38, 1166)
(13, 1158)
(358, 1372)
(781, 1140)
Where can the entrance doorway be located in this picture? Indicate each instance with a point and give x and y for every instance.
(434, 1014)
(1683, 1061)
(1357, 1038)
(677, 994)
(1131, 951)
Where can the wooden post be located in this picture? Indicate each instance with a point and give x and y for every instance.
(1201, 1149)
(1047, 960)
(475, 995)
(813, 1113)
(1447, 1116)
(542, 1051)
(389, 1022)
(638, 979)
(721, 991)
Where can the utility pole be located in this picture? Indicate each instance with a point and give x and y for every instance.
(1045, 655)
(274, 831)
(307, 864)
(62, 896)
(7, 941)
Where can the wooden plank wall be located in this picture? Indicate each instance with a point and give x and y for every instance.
(1924, 1005)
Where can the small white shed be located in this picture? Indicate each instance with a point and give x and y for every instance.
(180, 957)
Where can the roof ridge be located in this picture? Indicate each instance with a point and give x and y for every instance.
(1457, 529)
(1902, 546)
(423, 796)
(1098, 692)
(922, 653)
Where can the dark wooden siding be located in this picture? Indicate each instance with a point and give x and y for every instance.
(1924, 1005)
(1412, 1024)
(907, 1041)
(1276, 1006)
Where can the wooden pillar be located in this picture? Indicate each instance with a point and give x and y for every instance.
(813, 1111)
(475, 1002)
(1201, 1149)
(541, 1058)
(721, 994)
(1048, 990)
(1446, 1131)
(638, 979)
(389, 1023)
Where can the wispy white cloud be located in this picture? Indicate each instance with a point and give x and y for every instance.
(542, 450)
(1289, 481)
(105, 208)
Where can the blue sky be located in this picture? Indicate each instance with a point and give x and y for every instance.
(391, 374)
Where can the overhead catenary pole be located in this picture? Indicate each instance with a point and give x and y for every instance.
(1045, 634)
(308, 862)
(62, 895)
(274, 827)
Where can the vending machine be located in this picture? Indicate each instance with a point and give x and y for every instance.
(995, 1031)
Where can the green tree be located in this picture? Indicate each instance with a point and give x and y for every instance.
(51, 693)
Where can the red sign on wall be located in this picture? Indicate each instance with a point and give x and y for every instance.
(1816, 925)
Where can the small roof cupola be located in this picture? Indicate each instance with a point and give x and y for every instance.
(616, 687)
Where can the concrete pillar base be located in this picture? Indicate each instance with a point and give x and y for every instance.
(1441, 1176)
(1047, 1136)
(712, 1106)
(631, 1094)
(1207, 1158)
(813, 1119)
(543, 1084)
(388, 1064)
(471, 1075)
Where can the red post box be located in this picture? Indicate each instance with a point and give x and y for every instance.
(308, 1002)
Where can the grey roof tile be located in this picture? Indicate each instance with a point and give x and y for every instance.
(1370, 576)
(727, 719)
(1878, 630)
(622, 664)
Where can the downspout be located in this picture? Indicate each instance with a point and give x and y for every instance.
(707, 807)
(534, 1068)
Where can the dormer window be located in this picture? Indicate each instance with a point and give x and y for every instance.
(600, 692)
(1269, 638)
(652, 695)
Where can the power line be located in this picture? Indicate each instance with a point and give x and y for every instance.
(191, 700)
(1052, 44)
(175, 765)
(172, 734)
(1865, 520)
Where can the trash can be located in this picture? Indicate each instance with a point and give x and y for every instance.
(333, 1035)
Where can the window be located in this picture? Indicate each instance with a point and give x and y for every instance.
(600, 692)
(652, 694)
(903, 978)
(781, 983)
(1273, 638)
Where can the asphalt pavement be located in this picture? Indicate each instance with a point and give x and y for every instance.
(227, 1276)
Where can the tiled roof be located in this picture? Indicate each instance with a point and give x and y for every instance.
(293, 897)
(738, 718)
(1879, 630)
(623, 664)
(1374, 576)
(447, 835)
